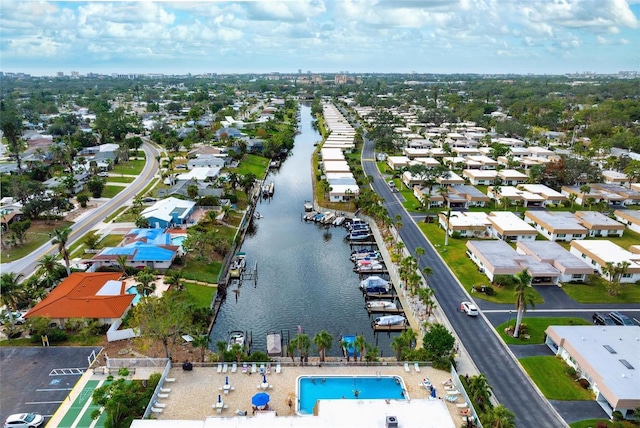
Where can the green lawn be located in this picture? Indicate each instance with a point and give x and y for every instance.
(549, 374)
(111, 191)
(592, 423)
(202, 294)
(114, 214)
(198, 270)
(132, 167)
(252, 163)
(454, 254)
(536, 328)
(596, 292)
(126, 216)
(77, 249)
(37, 235)
(110, 241)
(120, 179)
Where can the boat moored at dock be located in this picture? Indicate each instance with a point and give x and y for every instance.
(236, 337)
(238, 265)
(390, 320)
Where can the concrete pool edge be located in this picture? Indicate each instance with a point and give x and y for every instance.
(399, 380)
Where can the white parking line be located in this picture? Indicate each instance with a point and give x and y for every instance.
(44, 402)
(53, 389)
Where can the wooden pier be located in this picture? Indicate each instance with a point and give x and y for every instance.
(369, 296)
(384, 310)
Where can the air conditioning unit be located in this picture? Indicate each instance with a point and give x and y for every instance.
(392, 422)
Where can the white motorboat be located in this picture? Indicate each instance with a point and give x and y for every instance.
(381, 305)
(236, 338)
(390, 320)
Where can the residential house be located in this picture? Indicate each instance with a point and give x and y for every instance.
(571, 268)
(467, 224)
(515, 195)
(629, 196)
(428, 162)
(452, 180)
(480, 176)
(599, 224)
(481, 162)
(556, 226)
(615, 177)
(594, 195)
(507, 226)
(168, 212)
(607, 357)
(336, 166)
(600, 252)
(511, 177)
(472, 197)
(139, 255)
(435, 199)
(498, 258)
(629, 217)
(413, 153)
(549, 196)
(398, 162)
(98, 295)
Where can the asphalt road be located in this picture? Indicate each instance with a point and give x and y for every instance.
(26, 265)
(510, 384)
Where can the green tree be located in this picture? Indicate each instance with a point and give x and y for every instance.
(525, 297)
(398, 344)
(498, 417)
(121, 259)
(82, 199)
(323, 340)
(360, 347)
(11, 291)
(60, 238)
(50, 270)
(11, 126)
(146, 278)
(438, 344)
(164, 319)
(19, 230)
(96, 186)
(201, 342)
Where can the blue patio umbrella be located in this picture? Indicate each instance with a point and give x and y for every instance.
(219, 398)
(433, 392)
(264, 378)
(226, 380)
(260, 399)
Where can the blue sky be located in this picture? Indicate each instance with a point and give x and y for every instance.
(424, 36)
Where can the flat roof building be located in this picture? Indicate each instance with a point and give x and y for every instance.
(556, 226)
(608, 357)
(599, 252)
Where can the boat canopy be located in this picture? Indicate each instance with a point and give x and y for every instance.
(274, 344)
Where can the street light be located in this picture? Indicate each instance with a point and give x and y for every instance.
(509, 322)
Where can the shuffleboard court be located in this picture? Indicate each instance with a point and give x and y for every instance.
(78, 415)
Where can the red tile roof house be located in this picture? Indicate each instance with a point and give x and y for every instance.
(99, 295)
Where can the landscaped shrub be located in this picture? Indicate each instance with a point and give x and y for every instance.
(584, 383)
(571, 371)
(502, 280)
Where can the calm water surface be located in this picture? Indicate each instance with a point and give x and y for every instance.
(305, 276)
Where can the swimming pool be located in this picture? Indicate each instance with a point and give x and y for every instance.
(134, 290)
(178, 240)
(314, 388)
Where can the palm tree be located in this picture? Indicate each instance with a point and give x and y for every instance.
(173, 277)
(323, 340)
(49, 268)
(398, 344)
(572, 198)
(201, 342)
(221, 346)
(145, 281)
(122, 262)
(427, 271)
(360, 347)
(345, 346)
(524, 297)
(584, 190)
(419, 253)
(11, 291)
(479, 391)
(61, 236)
(498, 417)
(410, 337)
(427, 295)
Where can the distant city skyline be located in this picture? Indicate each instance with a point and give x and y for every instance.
(321, 36)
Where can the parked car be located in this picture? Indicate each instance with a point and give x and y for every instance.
(103, 174)
(621, 319)
(469, 309)
(600, 318)
(17, 316)
(24, 420)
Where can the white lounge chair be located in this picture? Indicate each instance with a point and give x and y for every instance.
(225, 367)
(406, 367)
(219, 368)
(159, 405)
(261, 368)
(165, 389)
(170, 379)
(278, 368)
(163, 395)
(254, 368)
(234, 367)
(156, 410)
(416, 367)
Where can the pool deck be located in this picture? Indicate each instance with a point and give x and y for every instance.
(194, 392)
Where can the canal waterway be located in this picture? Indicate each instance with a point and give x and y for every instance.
(305, 277)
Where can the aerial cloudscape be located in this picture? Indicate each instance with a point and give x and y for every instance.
(317, 36)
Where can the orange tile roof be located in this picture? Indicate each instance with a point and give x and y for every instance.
(75, 297)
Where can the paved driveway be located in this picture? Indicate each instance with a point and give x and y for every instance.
(32, 378)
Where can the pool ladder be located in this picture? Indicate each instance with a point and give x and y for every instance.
(378, 375)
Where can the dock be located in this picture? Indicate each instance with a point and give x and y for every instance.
(384, 311)
(395, 327)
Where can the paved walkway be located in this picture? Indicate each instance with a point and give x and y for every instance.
(573, 411)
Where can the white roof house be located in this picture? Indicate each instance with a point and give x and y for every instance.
(608, 357)
(600, 252)
(168, 211)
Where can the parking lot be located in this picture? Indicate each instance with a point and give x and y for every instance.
(38, 379)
